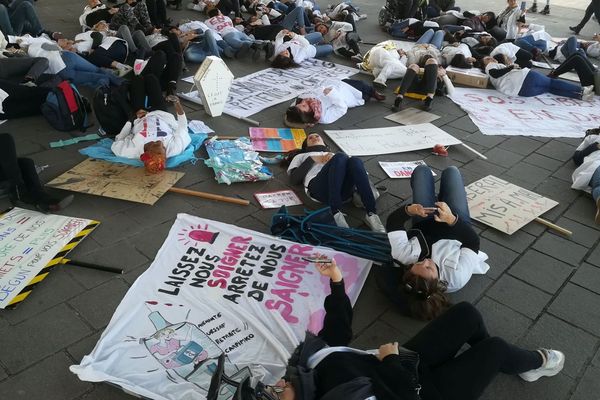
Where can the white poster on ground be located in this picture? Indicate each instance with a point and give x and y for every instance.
(397, 139)
(546, 115)
(28, 241)
(214, 288)
(263, 89)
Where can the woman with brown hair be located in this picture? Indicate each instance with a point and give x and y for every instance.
(441, 250)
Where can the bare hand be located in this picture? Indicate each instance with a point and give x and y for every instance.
(387, 349)
(419, 210)
(329, 268)
(444, 214)
(441, 72)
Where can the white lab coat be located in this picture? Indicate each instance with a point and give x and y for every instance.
(583, 174)
(337, 101)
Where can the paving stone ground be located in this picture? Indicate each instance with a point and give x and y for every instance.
(542, 289)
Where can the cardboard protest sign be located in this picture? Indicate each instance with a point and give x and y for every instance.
(546, 115)
(116, 181)
(277, 199)
(412, 116)
(255, 92)
(504, 206)
(277, 140)
(214, 288)
(213, 79)
(31, 244)
(375, 141)
(401, 169)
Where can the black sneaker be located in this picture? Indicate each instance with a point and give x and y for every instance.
(545, 11)
(575, 29)
(533, 8)
(398, 106)
(427, 103)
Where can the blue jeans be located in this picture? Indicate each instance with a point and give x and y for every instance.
(19, 18)
(293, 18)
(595, 184)
(529, 43)
(279, 6)
(196, 52)
(236, 39)
(82, 72)
(397, 28)
(431, 37)
(536, 84)
(338, 180)
(452, 191)
(571, 46)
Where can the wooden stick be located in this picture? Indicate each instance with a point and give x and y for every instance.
(478, 154)
(210, 196)
(225, 137)
(550, 225)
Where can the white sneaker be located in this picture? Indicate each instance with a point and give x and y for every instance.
(340, 220)
(373, 221)
(553, 364)
(588, 93)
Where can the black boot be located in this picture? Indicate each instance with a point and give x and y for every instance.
(546, 10)
(427, 103)
(533, 8)
(575, 29)
(42, 201)
(398, 104)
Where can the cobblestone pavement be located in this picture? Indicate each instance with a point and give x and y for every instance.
(541, 290)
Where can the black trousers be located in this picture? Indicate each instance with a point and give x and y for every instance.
(99, 15)
(22, 101)
(102, 57)
(146, 94)
(17, 171)
(581, 64)
(523, 58)
(174, 59)
(465, 377)
(592, 8)
(157, 10)
(363, 87)
(426, 84)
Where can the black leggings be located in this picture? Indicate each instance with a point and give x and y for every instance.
(174, 58)
(18, 171)
(146, 86)
(363, 87)
(426, 84)
(465, 377)
(581, 64)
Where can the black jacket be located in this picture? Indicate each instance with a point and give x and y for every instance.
(347, 375)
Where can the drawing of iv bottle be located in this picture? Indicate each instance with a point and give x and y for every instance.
(186, 350)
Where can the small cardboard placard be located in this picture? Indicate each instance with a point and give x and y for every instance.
(277, 199)
(117, 181)
(401, 169)
(504, 206)
(213, 80)
(412, 116)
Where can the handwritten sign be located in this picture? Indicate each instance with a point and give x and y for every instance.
(401, 169)
(29, 240)
(215, 289)
(263, 89)
(504, 206)
(277, 199)
(546, 115)
(398, 139)
(412, 116)
(214, 79)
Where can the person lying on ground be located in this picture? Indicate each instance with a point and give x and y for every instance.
(440, 252)
(342, 36)
(329, 101)
(513, 54)
(512, 80)
(291, 48)
(429, 366)
(435, 8)
(333, 179)
(155, 134)
(135, 15)
(384, 61)
(223, 25)
(21, 181)
(587, 175)
(430, 83)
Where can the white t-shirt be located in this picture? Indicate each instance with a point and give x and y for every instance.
(508, 49)
(335, 103)
(220, 24)
(509, 83)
